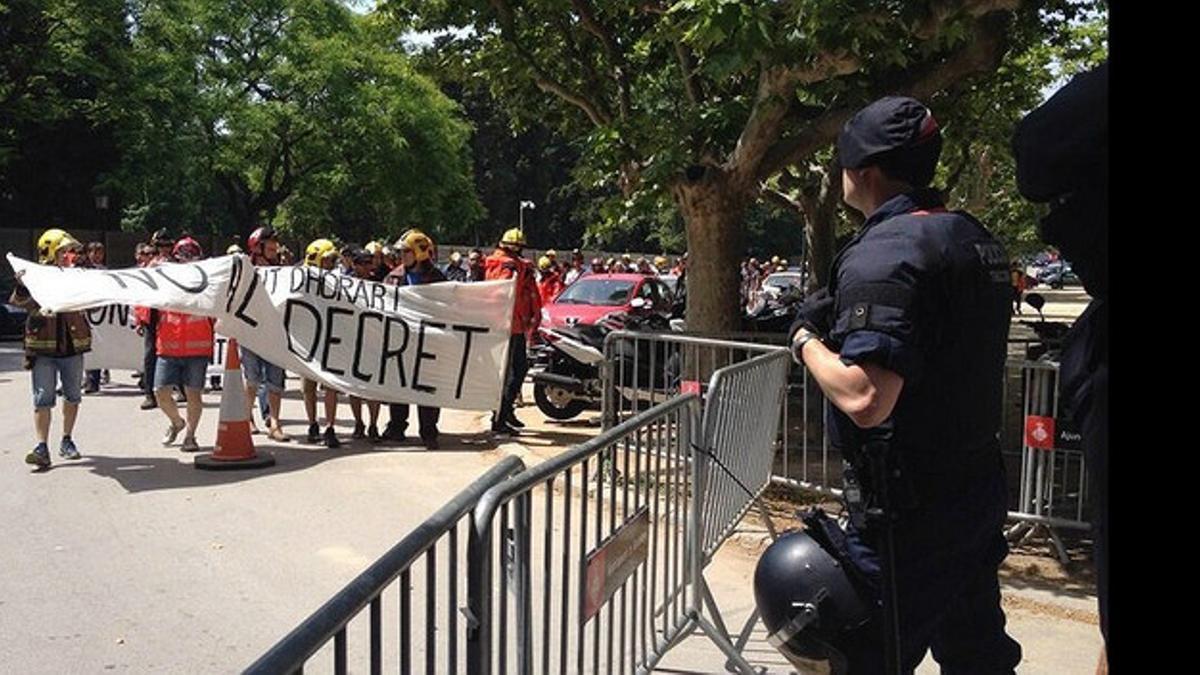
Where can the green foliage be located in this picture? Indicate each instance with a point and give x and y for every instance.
(218, 115)
(635, 153)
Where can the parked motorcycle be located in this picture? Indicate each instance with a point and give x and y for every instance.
(572, 380)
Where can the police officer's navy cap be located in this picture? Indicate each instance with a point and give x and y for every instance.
(888, 124)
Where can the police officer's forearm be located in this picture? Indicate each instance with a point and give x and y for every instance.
(866, 393)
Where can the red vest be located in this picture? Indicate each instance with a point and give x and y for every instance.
(182, 334)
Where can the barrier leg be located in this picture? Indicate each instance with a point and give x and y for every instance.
(736, 663)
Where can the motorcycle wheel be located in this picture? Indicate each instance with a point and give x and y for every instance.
(557, 403)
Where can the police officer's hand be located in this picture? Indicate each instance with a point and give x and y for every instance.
(816, 313)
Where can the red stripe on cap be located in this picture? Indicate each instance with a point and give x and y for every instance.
(929, 126)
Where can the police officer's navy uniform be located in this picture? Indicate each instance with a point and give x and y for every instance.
(923, 292)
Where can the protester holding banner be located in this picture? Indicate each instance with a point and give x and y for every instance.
(93, 259)
(416, 268)
(184, 344)
(263, 246)
(158, 251)
(363, 265)
(54, 345)
(506, 263)
(320, 254)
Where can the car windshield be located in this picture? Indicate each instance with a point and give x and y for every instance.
(608, 292)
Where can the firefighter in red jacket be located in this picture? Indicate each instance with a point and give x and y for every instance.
(506, 263)
(551, 284)
(184, 344)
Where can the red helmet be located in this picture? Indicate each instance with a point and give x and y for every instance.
(259, 236)
(187, 248)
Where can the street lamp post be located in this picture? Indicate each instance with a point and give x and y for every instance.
(525, 204)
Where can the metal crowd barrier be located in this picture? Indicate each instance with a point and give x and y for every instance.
(592, 546)
(734, 459)
(593, 560)
(442, 581)
(642, 368)
(1051, 491)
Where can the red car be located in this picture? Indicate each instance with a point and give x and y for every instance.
(593, 296)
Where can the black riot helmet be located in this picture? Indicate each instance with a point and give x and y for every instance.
(807, 601)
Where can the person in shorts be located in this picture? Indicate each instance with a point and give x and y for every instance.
(184, 344)
(263, 247)
(54, 347)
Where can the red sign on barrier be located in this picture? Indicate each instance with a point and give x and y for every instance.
(1039, 432)
(611, 563)
(689, 387)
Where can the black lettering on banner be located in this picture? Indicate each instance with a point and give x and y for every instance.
(97, 315)
(218, 355)
(140, 275)
(344, 284)
(388, 352)
(359, 289)
(241, 310)
(290, 330)
(234, 278)
(330, 339)
(377, 291)
(196, 288)
(395, 299)
(274, 272)
(423, 355)
(322, 292)
(468, 332)
(358, 344)
(121, 313)
(299, 278)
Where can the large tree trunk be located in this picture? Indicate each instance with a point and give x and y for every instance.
(712, 211)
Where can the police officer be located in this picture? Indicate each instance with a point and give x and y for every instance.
(1061, 149)
(908, 344)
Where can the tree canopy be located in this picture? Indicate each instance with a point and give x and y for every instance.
(700, 109)
(221, 115)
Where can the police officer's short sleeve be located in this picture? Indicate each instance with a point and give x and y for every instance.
(877, 304)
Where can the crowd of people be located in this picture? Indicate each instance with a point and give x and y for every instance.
(178, 347)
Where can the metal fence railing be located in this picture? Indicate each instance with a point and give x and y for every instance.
(423, 625)
(642, 368)
(594, 560)
(591, 545)
(1051, 489)
(739, 442)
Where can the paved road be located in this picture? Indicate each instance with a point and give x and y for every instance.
(130, 560)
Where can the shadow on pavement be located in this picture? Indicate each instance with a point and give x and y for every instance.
(176, 470)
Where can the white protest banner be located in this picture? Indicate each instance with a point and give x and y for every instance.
(441, 345)
(115, 342)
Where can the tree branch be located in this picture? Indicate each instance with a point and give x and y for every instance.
(981, 52)
(612, 52)
(541, 78)
(780, 199)
(687, 64)
(577, 54)
(776, 91)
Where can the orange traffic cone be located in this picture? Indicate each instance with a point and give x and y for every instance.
(234, 449)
